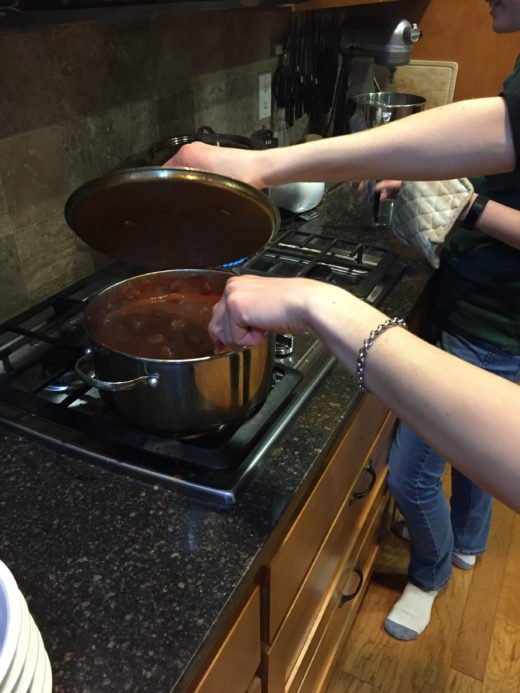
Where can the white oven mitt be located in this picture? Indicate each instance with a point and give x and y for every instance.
(426, 211)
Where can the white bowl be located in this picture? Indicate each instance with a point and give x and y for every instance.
(38, 678)
(22, 648)
(10, 619)
(47, 682)
(297, 197)
(31, 659)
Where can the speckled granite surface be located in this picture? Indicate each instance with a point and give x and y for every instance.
(131, 585)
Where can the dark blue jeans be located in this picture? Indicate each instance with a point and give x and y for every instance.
(415, 472)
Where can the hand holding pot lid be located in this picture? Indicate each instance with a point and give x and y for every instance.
(239, 164)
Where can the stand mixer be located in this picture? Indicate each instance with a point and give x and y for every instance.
(364, 42)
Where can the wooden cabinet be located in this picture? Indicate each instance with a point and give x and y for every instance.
(307, 534)
(311, 589)
(234, 666)
(345, 599)
(300, 604)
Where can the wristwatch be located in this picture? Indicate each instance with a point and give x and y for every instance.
(473, 214)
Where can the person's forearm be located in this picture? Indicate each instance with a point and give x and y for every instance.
(464, 138)
(466, 414)
(501, 222)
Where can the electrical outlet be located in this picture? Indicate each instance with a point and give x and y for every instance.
(264, 95)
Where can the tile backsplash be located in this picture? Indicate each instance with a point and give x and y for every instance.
(77, 99)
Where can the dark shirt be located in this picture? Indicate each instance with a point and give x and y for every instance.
(479, 278)
(512, 99)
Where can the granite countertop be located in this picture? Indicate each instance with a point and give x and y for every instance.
(132, 584)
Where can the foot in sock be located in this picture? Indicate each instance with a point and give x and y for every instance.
(462, 560)
(411, 613)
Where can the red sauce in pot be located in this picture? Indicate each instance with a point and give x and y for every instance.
(169, 326)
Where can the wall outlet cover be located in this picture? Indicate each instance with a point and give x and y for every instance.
(264, 95)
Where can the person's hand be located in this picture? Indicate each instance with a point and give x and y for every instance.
(386, 188)
(251, 306)
(240, 164)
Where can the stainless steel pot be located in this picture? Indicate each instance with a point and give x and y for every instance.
(374, 109)
(179, 396)
(378, 108)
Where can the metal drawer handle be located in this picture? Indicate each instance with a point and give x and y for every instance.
(373, 476)
(349, 597)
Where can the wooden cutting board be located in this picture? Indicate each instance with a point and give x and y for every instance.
(433, 79)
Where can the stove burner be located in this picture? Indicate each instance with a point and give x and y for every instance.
(235, 263)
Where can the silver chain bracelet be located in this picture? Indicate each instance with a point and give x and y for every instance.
(362, 355)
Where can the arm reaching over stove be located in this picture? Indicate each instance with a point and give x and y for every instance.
(460, 139)
(465, 413)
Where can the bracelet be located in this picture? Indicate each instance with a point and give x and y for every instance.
(362, 355)
(474, 212)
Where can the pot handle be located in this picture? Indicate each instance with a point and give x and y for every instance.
(107, 385)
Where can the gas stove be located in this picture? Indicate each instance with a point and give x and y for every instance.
(41, 396)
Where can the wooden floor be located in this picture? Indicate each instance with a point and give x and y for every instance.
(472, 644)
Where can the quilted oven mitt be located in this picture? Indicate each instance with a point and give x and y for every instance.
(426, 211)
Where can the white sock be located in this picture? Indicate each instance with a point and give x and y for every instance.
(463, 560)
(411, 613)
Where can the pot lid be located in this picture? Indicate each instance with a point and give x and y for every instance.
(167, 218)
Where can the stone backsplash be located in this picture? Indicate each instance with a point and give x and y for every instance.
(77, 99)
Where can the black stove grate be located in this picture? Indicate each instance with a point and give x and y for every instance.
(368, 271)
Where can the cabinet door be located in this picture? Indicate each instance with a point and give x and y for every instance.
(288, 568)
(296, 638)
(348, 599)
(235, 664)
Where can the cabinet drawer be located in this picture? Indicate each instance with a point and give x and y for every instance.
(237, 660)
(292, 561)
(340, 617)
(312, 598)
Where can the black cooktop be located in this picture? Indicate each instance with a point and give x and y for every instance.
(41, 396)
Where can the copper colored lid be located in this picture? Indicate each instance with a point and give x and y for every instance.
(166, 218)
